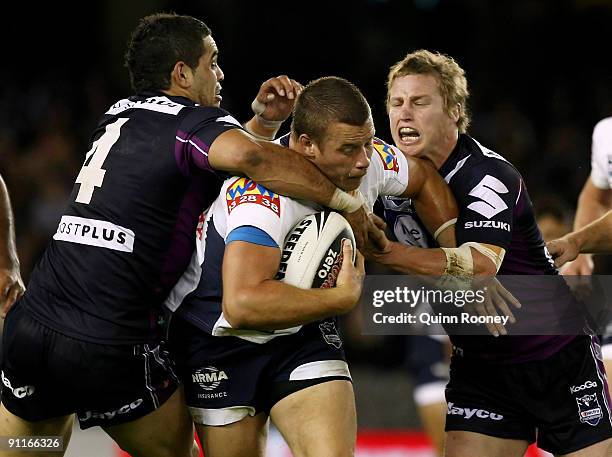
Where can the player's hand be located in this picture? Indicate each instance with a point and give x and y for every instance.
(578, 275)
(359, 221)
(563, 250)
(377, 244)
(497, 300)
(11, 288)
(276, 97)
(581, 266)
(350, 277)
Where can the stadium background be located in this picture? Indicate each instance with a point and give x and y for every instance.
(540, 77)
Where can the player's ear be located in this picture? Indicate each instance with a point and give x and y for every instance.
(306, 146)
(181, 75)
(455, 111)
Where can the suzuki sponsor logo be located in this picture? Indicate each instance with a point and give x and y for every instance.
(487, 192)
(19, 392)
(111, 414)
(586, 385)
(208, 378)
(488, 224)
(468, 413)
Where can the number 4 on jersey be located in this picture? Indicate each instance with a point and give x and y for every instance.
(92, 173)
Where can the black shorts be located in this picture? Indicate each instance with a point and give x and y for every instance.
(227, 378)
(46, 374)
(565, 398)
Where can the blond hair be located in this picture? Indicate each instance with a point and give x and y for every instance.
(450, 76)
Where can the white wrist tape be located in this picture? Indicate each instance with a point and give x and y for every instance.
(258, 108)
(459, 262)
(343, 201)
(459, 269)
(493, 256)
(444, 227)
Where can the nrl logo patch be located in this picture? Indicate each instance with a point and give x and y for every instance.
(330, 334)
(589, 410)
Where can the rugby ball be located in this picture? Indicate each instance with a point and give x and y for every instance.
(312, 252)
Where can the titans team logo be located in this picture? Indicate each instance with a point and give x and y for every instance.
(330, 334)
(387, 155)
(244, 190)
(589, 410)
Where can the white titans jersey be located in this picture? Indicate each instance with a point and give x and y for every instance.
(242, 202)
(601, 154)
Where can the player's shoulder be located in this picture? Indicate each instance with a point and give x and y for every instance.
(386, 155)
(481, 166)
(483, 160)
(603, 130)
(197, 116)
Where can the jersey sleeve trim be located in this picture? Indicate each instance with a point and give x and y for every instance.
(251, 234)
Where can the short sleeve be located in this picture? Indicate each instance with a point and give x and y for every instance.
(601, 154)
(196, 134)
(250, 204)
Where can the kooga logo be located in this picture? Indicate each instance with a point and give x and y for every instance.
(586, 385)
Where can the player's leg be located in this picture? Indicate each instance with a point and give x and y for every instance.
(485, 414)
(432, 417)
(245, 438)
(34, 384)
(221, 377)
(13, 426)
(311, 399)
(601, 449)
(469, 444)
(577, 410)
(428, 360)
(164, 432)
(319, 421)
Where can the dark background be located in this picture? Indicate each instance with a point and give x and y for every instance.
(539, 72)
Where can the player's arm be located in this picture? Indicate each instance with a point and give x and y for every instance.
(594, 237)
(489, 194)
(280, 169)
(252, 299)
(593, 203)
(473, 259)
(433, 201)
(11, 285)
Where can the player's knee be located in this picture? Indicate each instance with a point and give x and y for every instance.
(325, 449)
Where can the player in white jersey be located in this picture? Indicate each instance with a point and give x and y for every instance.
(595, 199)
(251, 347)
(11, 285)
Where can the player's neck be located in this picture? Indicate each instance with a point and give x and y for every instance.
(174, 91)
(442, 152)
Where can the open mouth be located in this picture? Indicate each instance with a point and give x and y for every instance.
(408, 135)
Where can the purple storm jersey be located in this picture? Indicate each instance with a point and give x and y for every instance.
(495, 208)
(127, 233)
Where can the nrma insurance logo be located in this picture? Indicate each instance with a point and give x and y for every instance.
(245, 190)
(387, 155)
